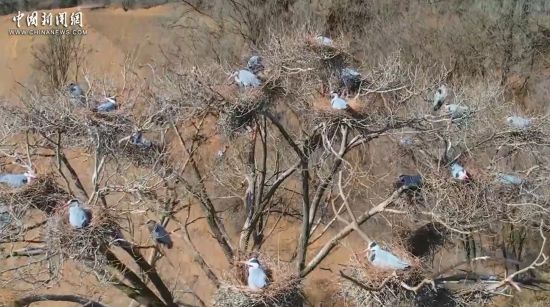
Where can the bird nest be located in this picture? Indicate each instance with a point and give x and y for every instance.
(106, 129)
(154, 155)
(86, 244)
(458, 203)
(242, 112)
(284, 287)
(367, 285)
(42, 193)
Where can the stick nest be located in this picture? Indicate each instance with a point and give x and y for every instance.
(242, 112)
(106, 129)
(84, 244)
(283, 290)
(384, 285)
(42, 193)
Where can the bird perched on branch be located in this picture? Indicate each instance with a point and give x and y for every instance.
(159, 234)
(245, 78)
(79, 217)
(439, 97)
(255, 64)
(519, 122)
(257, 278)
(17, 180)
(108, 105)
(384, 259)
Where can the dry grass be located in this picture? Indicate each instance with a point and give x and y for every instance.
(284, 288)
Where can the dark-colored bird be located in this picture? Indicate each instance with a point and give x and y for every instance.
(138, 140)
(350, 79)
(439, 97)
(255, 64)
(159, 233)
(412, 182)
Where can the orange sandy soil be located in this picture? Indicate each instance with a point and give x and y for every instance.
(112, 34)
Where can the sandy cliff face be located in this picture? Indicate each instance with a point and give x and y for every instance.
(114, 37)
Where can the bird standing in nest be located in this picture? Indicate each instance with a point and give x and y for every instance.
(79, 217)
(245, 78)
(384, 259)
(257, 277)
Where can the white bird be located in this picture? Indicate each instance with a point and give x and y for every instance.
(78, 217)
(519, 122)
(458, 172)
(137, 139)
(17, 180)
(255, 64)
(455, 110)
(324, 41)
(384, 259)
(245, 78)
(439, 97)
(510, 179)
(108, 105)
(257, 279)
(337, 102)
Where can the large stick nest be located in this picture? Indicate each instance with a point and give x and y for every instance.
(86, 244)
(242, 112)
(384, 284)
(42, 193)
(283, 290)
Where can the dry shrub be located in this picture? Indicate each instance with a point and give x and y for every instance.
(87, 244)
(283, 290)
(42, 193)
